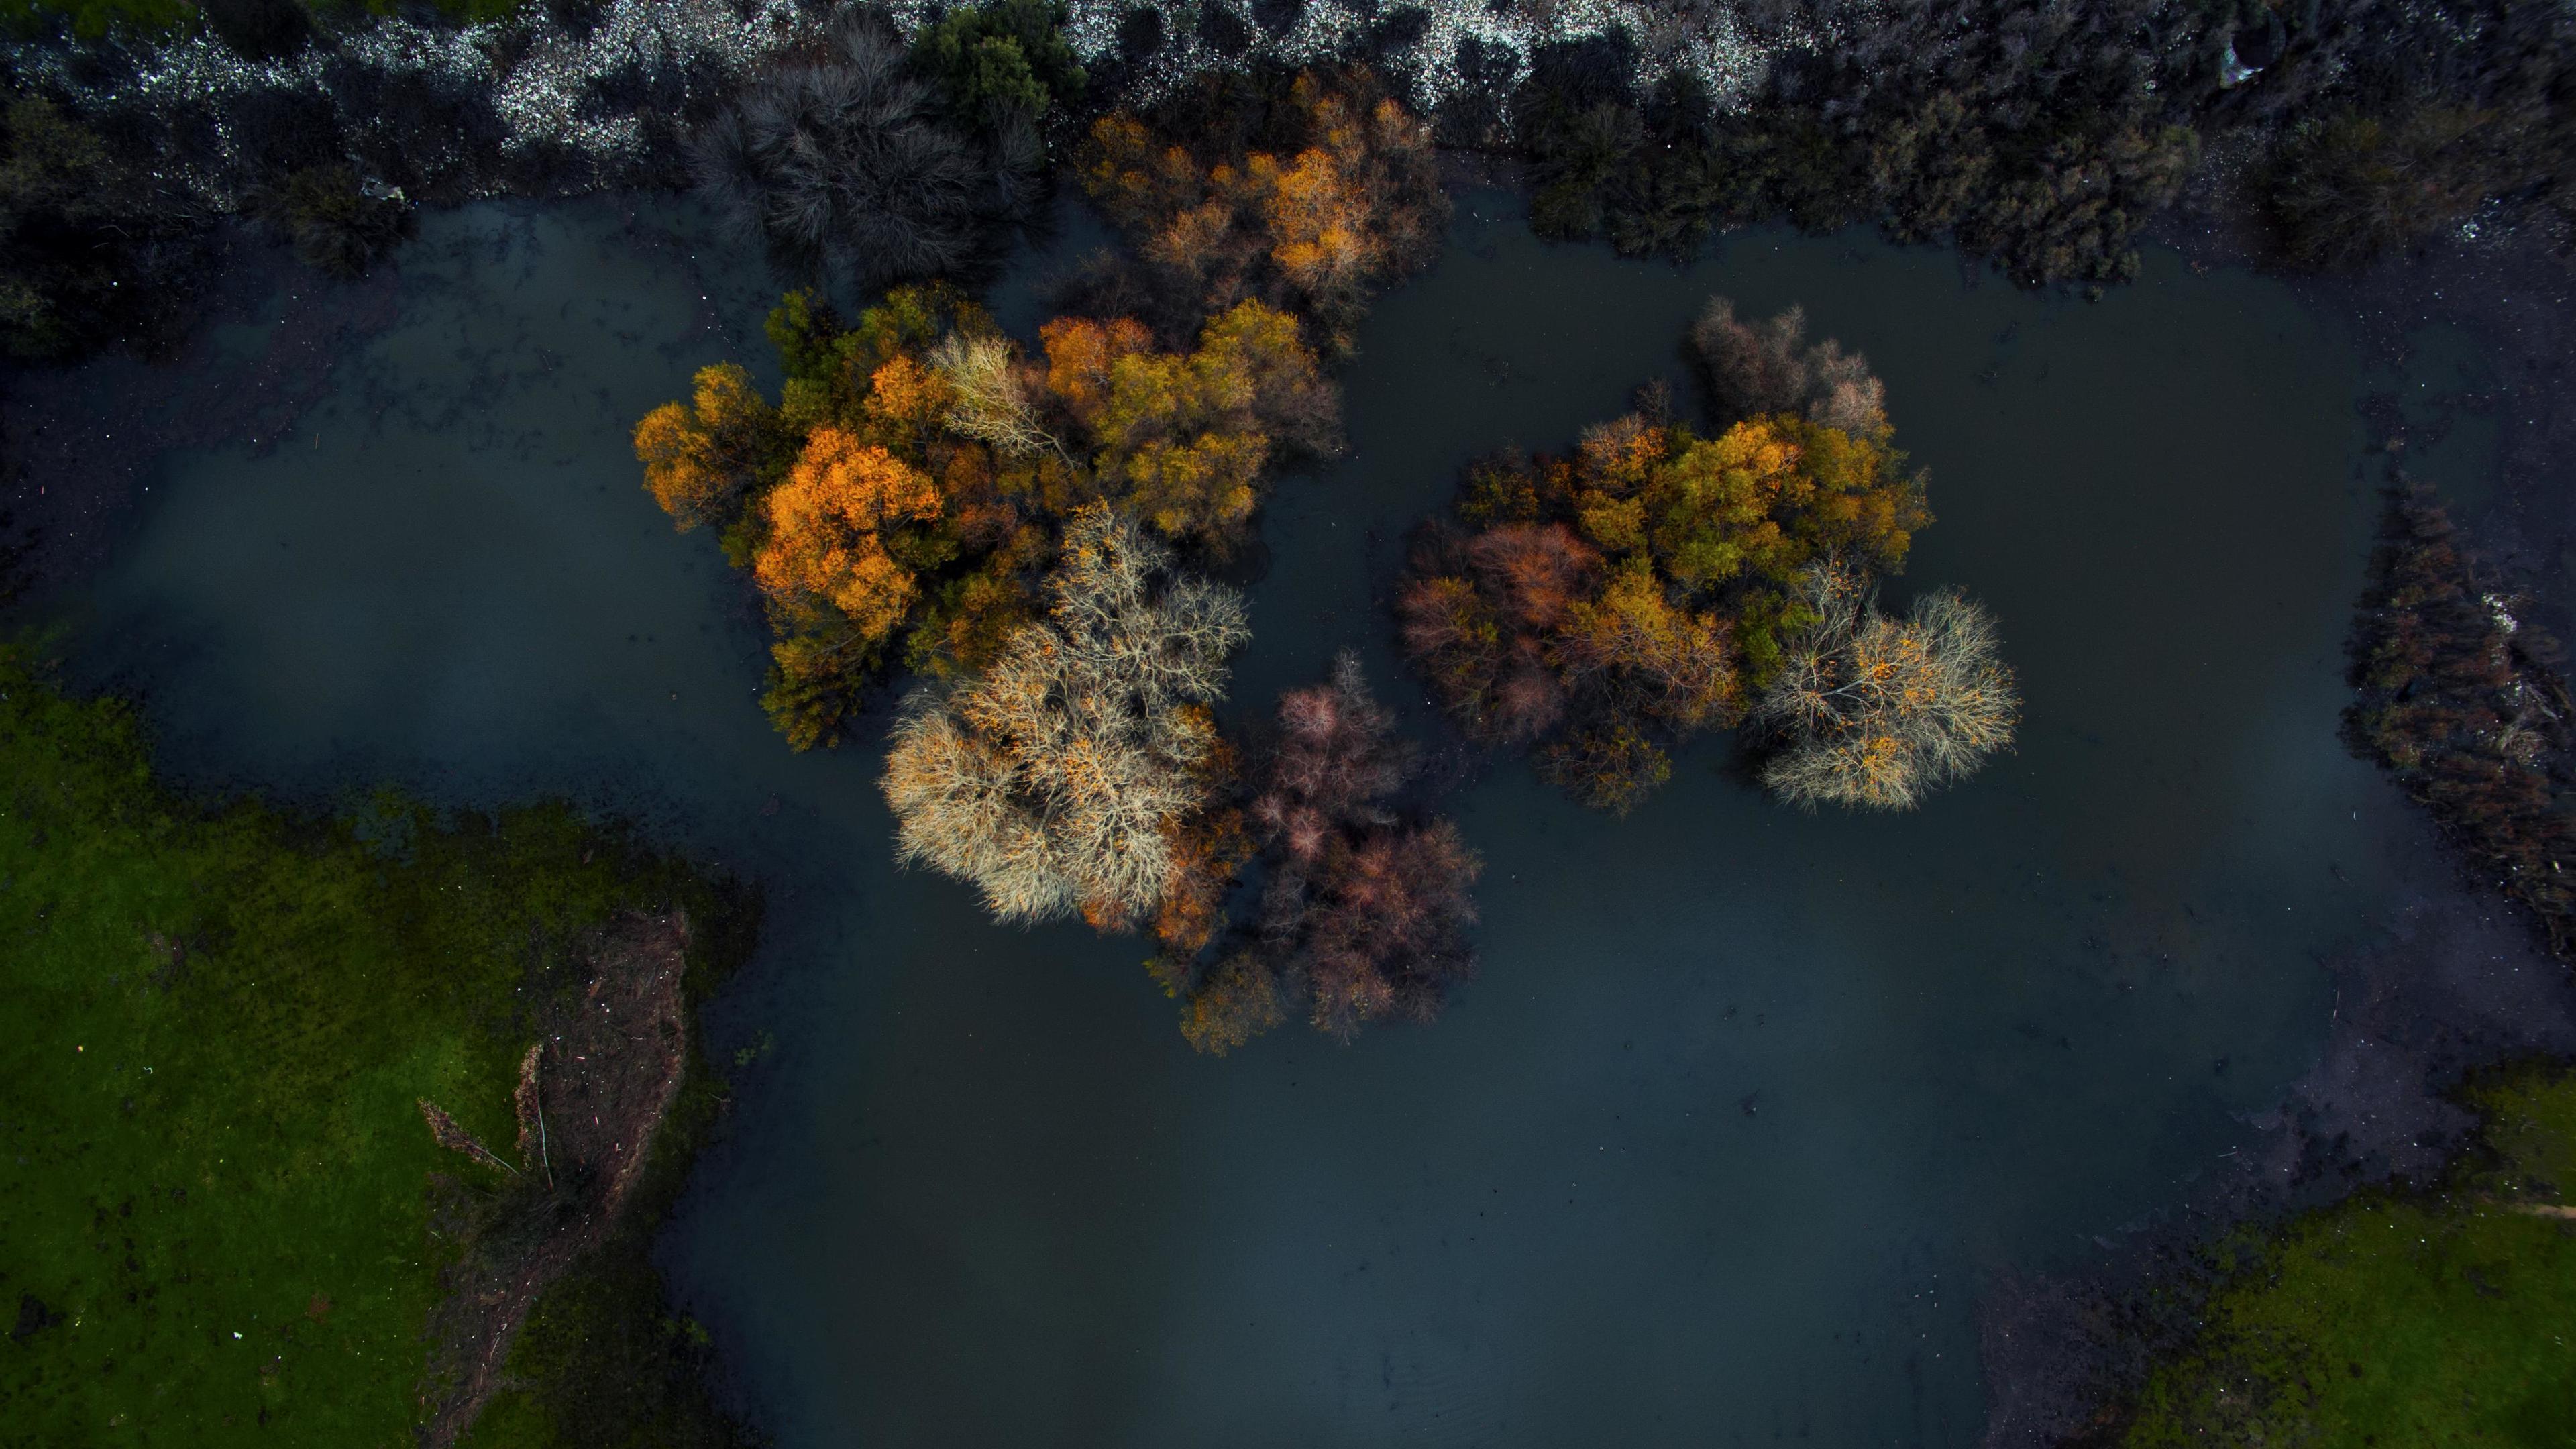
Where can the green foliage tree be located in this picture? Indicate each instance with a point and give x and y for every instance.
(1002, 63)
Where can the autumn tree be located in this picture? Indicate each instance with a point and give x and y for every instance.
(702, 458)
(1753, 368)
(1183, 440)
(1364, 910)
(1601, 604)
(1877, 712)
(1305, 196)
(1060, 778)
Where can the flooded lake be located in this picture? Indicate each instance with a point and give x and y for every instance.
(1745, 1104)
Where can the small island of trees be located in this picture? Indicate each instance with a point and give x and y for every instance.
(1657, 582)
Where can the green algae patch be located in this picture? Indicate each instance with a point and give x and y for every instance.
(223, 1218)
(2421, 1320)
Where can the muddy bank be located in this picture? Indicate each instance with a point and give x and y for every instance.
(593, 1093)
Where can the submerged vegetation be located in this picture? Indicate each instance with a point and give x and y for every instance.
(228, 1221)
(1600, 606)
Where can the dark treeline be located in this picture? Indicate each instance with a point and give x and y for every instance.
(2466, 704)
(2046, 136)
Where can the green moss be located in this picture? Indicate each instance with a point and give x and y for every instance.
(213, 1174)
(2396, 1319)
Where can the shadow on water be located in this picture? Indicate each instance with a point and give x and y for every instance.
(1744, 1102)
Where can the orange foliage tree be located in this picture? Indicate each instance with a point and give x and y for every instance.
(1305, 195)
(903, 499)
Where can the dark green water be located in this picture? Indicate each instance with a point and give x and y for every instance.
(1746, 1103)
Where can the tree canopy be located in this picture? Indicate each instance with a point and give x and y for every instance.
(1305, 195)
(1059, 778)
(1655, 581)
(901, 499)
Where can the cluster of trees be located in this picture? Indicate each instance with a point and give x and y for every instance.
(1023, 523)
(1306, 193)
(1659, 581)
(902, 499)
(1364, 906)
(2046, 136)
(2465, 704)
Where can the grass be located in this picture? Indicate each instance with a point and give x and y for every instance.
(2414, 1320)
(215, 1205)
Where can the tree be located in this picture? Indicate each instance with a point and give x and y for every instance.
(1303, 197)
(1002, 64)
(992, 398)
(1057, 779)
(1183, 439)
(1753, 368)
(1366, 908)
(838, 160)
(1877, 713)
(702, 459)
(828, 527)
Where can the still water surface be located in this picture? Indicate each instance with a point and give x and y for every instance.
(1745, 1104)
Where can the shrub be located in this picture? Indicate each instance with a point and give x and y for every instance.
(2463, 701)
(336, 223)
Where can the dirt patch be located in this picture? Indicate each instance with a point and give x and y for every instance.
(605, 1070)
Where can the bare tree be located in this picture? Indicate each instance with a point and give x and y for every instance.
(837, 158)
(1878, 712)
(993, 403)
(1055, 780)
(1752, 368)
